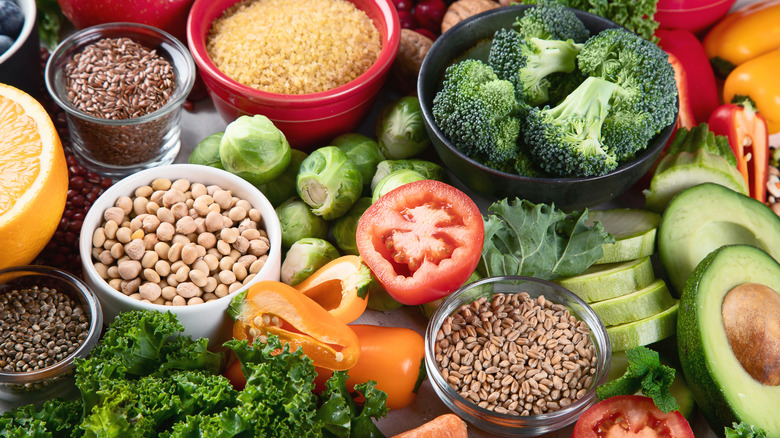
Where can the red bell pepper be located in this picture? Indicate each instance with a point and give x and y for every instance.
(749, 139)
(685, 117)
(702, 90)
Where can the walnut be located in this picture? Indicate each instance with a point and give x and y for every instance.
(411, 53)
(462, 9)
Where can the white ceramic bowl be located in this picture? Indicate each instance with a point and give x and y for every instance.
(206, 320)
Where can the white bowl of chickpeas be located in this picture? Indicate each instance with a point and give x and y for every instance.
(181, 237)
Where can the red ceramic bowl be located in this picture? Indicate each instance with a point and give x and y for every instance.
(692, 15)
(307, 120)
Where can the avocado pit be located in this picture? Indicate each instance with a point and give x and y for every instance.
(751, 318)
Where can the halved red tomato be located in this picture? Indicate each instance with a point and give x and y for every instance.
(421, 240)
(630, 416)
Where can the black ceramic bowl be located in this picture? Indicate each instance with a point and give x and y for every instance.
(471, 39)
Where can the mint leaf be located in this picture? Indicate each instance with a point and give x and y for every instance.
(539, 240)
(646, 373)
(744, 430)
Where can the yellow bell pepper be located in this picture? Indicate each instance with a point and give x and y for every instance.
(341, 287)
(757, 79)
(743, 35)
(275, 308)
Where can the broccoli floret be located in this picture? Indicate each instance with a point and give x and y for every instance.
(566, 140)
(520, 164)
(527, 62)
(550, 20)
(648, 98)
(477, 112)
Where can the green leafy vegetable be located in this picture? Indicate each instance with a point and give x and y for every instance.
(50, 19)
(538, 240)
(646, 373)
(55, 419)
(634, 15)
(744, 430)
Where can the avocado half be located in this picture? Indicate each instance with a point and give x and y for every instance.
(714, 363)
(705, 217)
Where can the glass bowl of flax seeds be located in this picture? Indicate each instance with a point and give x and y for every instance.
(516, 356)
(122, 86)
(48, 318)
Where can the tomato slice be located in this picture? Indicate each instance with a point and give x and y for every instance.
(421, 241)
(630, 416)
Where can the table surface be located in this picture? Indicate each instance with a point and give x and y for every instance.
(203, 120)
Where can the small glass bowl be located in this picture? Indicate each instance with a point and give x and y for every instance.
(55, 380)
(120, 147)
(505, 424)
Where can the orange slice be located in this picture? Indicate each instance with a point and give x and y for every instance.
(33, 177)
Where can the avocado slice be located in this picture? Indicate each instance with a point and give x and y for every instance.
(712, 358)
(705, 217)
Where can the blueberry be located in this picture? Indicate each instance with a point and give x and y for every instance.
(11, 19)
(5, 43)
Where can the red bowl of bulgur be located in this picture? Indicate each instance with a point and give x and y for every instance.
(314, 67)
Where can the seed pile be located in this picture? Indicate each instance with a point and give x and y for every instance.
(515, 355)
(38, 328)
(177, 243)
(293, 46)
(117, 78)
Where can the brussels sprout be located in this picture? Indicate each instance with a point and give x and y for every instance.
(297, 221)
(329, 182)
(379, 299)
(344, 228)
(305, 257)
(207, 151)
(282, 187)
(394, 180)
(425, 168)
(254, 149)
(400, 131)
(362, 150)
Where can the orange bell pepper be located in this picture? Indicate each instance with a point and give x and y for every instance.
(340, 287)
(685, 118)
(275, 308)
(743, 35)
(757, 80)
(749, 139)
(390, 356)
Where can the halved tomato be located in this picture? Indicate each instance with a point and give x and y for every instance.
(421, 240)
(630, 416)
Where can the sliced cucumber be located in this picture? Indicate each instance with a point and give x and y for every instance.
(646, 302)
(603, 282)
(633, 229)
(645, 331)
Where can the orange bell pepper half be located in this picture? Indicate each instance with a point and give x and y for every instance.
(275, 308)
(685, 118)
(749, 139)
(340, 287)
(392, 357)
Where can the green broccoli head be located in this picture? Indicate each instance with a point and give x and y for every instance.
(527, 63)
(566, 140)
(550, 20)
(641, 69)
(477, 111)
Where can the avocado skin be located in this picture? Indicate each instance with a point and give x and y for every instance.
(711, 399)
(707, 207)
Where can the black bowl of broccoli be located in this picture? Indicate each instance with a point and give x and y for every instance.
(548, 104)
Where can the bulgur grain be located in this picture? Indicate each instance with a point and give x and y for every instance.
(293, 46)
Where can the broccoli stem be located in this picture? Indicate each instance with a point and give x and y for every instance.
(545, 57)
(582, 113)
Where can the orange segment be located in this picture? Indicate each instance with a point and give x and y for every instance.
(33, 177)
